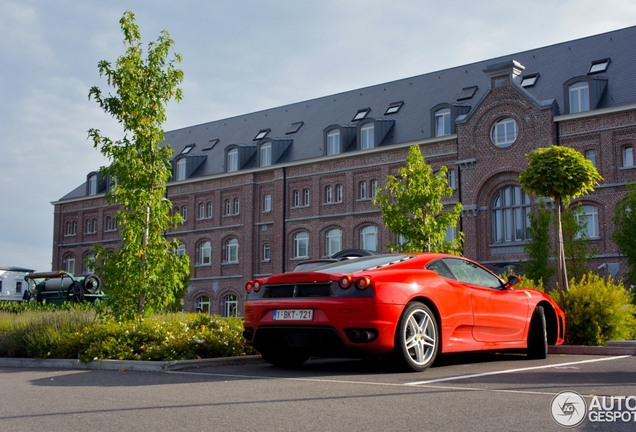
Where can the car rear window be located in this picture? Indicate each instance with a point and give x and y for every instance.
(363, 263)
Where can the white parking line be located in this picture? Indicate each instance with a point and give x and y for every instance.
(461, 377)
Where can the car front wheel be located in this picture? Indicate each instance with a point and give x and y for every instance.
(416, 338)
(537, 335)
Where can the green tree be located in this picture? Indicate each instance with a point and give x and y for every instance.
(576, 245)
(625, 229)
(411, 206)
(145, 274)
(538, 248)
(560, 173)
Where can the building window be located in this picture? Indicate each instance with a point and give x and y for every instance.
(451, 179)
(301, 245)
(334, 241)
(510, 215)
(267, 203)
(394, 108)
(361, 114)
(210, 208)
(184, 213)
(333, 142)
(18, 287)
(451, 234)
(231, 251)
(369, 238)
(89, 226)
(205, 253)
(202, 304)
(69, 264)
(237, 206)
(267, 252)
(228, 207)
(579, 97)
(230, 306)
(181, 169)
(266, 154)
(111, 223)
(529, 80)
(363, 190)
(628, 156)
(591, 230)
(261, 134)
(329, 194)
(232, 160)
(296, 198)
(367, 136)
(306, 197)
(598, 66)
(92, 185)
(181, 250)
(443, 122)
(201, 211)
(338, 193)
(504, 132)
(591, 156)
(374, 188)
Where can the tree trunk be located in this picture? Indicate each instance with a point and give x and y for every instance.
(562, 274)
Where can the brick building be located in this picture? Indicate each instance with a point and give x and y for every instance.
(263, 191)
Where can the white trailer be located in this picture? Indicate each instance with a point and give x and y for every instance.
(12, 282)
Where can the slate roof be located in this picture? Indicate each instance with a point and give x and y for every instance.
(555, 63)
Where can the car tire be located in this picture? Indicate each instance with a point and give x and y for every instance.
(537, 335)
(416, 338)
(284, 359)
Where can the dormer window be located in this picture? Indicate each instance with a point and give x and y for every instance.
(361, 114)
(583, 93)
(598, 66)
(92, 184)
(367, 136)
(232, 160)
(579, 96)
(393, 108)
(261, 134)
(266, 154)
(333, 142)
(442, 122)
(181, 169)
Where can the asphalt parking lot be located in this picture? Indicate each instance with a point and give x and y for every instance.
(476, 392)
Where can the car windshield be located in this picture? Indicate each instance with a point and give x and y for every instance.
(363, 263)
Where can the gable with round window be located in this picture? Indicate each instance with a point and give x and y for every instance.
(504, 132)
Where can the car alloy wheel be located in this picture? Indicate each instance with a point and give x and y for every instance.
(416, 338)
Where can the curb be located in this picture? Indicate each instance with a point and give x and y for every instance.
(128, 365)
(609, 350)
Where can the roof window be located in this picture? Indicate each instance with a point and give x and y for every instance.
(599, 66)
(529, 80)
(261, 134)
(362, 113)
(187, 149)
(467, 93)
(294, 128)
(394, 108)
(212, 142)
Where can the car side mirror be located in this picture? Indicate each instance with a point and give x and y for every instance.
(512, 281)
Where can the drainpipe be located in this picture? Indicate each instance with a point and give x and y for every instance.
(284, 227)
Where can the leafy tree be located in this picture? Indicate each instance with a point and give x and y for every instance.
(411, 206)
(625, 230)
(560, 173)
(538, 248)
(145, 274)
(576, 245)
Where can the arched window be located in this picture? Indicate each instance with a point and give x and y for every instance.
(334, 241)
(442, 122)
(205, 253)
(369, 238)
(202, 304)
(301, 245)
(266, 154)
(232, 160)
(367, 136)
(510, 215)
(363, 190)
(579, 94)
(329, 194)
(69, 264)
(590, 214)
(230, 306)
(231, 251)
(333, 142)
(181, 169)
(92, 184)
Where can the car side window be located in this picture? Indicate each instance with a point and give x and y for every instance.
(471, 273)
(441, 269)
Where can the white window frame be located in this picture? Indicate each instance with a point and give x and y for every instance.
(266, 154)
(202, 304)
(230, 306)
(452, 179)
(333, 142)
(510, 215)
(92, 185)
(69, 264)
(363, 190)
(296, 198)
(306, 197)
(205, 253)
(237, 206)
(504, 132)
(329, 194)
(210, 210)
(442, 122)
(267, 252)
(579, 94)
(591, 156)
(181, 169)
(367, 136)
(628, 156)
(267, 203)
(201, 211)
(231, 251)
(301, 245)
(232, 160)
(592, 228)
(333, 243)
(374, 188)
(228, 207)
(369, 238)
(339, 193)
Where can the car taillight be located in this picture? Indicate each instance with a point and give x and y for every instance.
(364, 282)
(345, 281)
(257, 285)
(249, 286)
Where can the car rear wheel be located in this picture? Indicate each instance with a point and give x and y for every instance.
(537, 335)
(284, 358)
(416, 338)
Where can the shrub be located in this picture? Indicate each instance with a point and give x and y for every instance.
(597, 310)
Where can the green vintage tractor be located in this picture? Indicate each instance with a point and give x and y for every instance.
(61, 287)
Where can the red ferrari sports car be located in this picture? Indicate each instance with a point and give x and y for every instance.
(408, 306)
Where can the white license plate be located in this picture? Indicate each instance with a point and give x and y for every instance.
(293, 315)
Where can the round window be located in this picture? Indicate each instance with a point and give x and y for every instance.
(504, 132)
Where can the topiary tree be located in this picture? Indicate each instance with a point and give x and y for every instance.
(625, 229)
(411, 206)
(560, 173)
(146, 273)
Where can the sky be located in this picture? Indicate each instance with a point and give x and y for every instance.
(239, 56)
